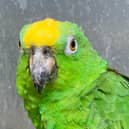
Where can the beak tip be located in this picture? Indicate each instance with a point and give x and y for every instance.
(39, 88)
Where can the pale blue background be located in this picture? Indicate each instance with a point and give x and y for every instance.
(106, 23)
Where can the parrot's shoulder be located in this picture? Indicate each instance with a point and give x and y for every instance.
(111, 99)
(113, 82)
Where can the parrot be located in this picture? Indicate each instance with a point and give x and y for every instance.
(65, 83)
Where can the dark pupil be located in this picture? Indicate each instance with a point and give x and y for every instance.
(72, 45)
(19, 44)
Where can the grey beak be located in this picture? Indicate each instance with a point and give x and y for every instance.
(42, 66)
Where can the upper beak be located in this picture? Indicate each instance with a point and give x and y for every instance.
(42, 66)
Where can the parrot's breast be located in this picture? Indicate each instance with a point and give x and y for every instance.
(40, 33)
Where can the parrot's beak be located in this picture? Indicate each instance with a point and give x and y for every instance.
(42, 66)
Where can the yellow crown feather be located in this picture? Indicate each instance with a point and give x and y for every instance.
(40, 33)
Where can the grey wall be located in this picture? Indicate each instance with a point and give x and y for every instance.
(106, 23)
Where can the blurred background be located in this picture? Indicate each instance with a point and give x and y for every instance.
(105, 22)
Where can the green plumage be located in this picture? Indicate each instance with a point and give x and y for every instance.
(85, 95)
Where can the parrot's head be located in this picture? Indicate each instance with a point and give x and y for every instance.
(57, 50)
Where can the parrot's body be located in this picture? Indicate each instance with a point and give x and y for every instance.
(84, 94)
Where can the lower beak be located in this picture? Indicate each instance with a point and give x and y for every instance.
(43, 67)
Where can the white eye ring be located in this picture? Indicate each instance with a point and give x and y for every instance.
(71, 46)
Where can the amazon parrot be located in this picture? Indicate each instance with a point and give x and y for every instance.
(64, 83)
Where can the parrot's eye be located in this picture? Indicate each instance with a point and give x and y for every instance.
(19, 44)
(71, 46)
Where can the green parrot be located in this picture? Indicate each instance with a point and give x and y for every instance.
(65, 84)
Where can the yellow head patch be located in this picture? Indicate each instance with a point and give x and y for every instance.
(40, 33)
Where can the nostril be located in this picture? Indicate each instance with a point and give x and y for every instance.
(32, 50)
(45, 51)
